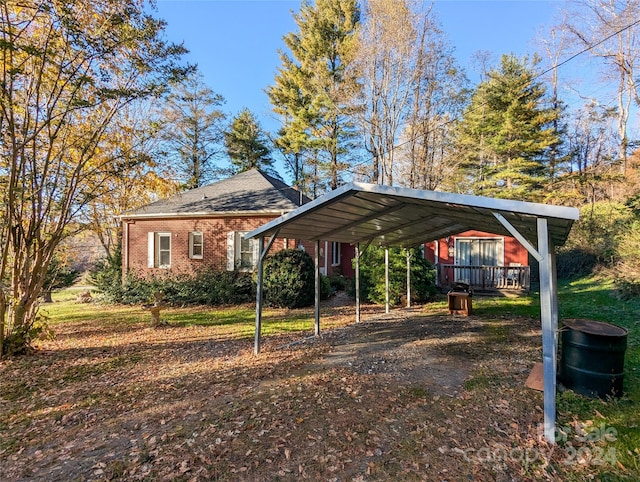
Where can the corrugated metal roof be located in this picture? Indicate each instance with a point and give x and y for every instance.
(392, 216)
(250, 192)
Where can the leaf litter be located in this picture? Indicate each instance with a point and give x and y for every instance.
(411, 395)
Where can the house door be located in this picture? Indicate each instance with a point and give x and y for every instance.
(473, 254)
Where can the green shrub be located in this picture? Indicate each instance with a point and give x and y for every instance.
(207, 287)
(289, 279)
(337, 282)
(597, 233)
(372, 276)
(106, 276)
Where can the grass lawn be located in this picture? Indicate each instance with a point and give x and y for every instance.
(414, 395)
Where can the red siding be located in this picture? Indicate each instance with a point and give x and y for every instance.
(514, 252)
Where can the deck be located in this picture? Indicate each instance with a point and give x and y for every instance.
(485, 278)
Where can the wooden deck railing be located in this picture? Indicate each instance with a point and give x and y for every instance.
(485, 277)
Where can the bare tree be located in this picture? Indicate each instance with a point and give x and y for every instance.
(439, 94)
(385, 62)
(409, 78)
(605, 27)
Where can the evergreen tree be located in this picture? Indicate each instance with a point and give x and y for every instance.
(193, 131)
(506, 133)
(314, 87)
(246, 143)
(290, 104)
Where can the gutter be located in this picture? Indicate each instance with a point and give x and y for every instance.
(225, 214)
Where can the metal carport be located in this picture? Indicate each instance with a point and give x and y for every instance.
(360, 213)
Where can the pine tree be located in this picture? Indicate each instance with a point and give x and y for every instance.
(246, 143)
(193, 131)
(319, 84)
(506, 133)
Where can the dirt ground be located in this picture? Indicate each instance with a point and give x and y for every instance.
(412, 395)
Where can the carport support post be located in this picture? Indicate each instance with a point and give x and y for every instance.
(408, 278)
(357, 282)
(386, 280)
(549, 318)
(317, 290)
(259, 288)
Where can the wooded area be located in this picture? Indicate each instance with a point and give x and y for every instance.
(100, 115)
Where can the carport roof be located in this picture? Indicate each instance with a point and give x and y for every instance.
(393, 216)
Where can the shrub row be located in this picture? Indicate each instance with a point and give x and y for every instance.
(289, 282)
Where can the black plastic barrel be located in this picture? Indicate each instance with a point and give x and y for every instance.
(592, 359)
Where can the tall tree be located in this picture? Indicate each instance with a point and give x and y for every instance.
(386, 63)
(608, 29)
(411, 84)
(321, 52)
(246, 143)
(439, 94)
(67, 68)
(193, 131)
(291, 105)
(506, 132)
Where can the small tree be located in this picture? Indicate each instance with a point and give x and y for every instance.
(59, 275)
(372, 275)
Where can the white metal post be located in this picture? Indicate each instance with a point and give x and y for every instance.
(408, 278)
(386, 280)
(357, 282)
(259, 288)
(317, 290)
(549, 318)
(262, 252)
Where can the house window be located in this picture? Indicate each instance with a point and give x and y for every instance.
(335, 254)
(196, 245)
(242, 254)
(472, 253)
(159, 250)
(479, 251)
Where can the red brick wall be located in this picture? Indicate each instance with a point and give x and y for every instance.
(215, 244)
(215, 241)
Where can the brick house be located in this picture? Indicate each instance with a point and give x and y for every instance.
(205, 227)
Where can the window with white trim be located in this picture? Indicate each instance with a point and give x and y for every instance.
(159, 250)
(472, 253)
(196, 245)
(242, 254)
(335, 253)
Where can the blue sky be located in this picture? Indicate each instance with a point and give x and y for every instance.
(235, 42)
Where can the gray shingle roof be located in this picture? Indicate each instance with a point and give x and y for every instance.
(248, 192)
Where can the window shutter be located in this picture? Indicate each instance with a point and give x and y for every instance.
(231, 250)
(151, 254)
(191, 245)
